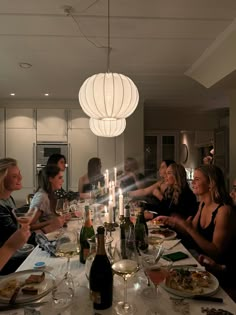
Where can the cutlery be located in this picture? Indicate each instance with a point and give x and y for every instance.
(185, 265)
(199, 298)
(159, 254)
(22, 305)
(207, 298)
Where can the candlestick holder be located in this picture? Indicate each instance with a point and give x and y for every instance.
(109, 227)
(114, 217)
(121, 218)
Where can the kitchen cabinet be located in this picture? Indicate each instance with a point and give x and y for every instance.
(52, 125)
(20, 118)
(2, 133)
(20, 144)
(77, 119)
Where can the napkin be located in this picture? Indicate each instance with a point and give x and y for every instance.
(168, 244)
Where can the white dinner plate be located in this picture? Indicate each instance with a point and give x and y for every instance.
(213, 287)
(44, 287)
(156, 232)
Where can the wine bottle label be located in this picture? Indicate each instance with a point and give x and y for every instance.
(95, 297)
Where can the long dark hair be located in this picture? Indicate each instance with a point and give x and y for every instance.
(44, 175)
(55, 158)
(94, 169)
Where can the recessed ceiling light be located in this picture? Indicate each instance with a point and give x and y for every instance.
(46, 94)
(12, 94)
(25, 65)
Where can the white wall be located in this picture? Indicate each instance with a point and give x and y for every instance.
(181, 119)
(188, 138)
(134, 136)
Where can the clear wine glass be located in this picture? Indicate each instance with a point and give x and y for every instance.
(63, 292)
(24, 215)
(62, 207)
(67, 246)
(156, 269)
(125, 264)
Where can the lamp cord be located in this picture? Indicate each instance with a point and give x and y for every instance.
(108, 33)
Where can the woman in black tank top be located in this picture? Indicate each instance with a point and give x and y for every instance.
(213, 227)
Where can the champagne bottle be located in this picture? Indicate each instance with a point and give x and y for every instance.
(141, 231)
(126, 224)
(86, 232)
(101, 276)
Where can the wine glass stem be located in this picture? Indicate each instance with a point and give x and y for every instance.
(156, 290)
(68, 265)
(126, 305)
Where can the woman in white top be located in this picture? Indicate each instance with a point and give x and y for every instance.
(50, 180)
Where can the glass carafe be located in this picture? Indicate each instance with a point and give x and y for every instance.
(92, 252)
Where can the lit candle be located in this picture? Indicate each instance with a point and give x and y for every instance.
(115, 175)
(121, 202)
(105, 182)
(110, 189)
(106, 217)
(113, 193)
(107, 178)
(110, 209)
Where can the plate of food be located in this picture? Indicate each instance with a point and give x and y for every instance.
(27, 286)
(163, 233)
(189, 282)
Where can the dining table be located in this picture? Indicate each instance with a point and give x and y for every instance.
(82, 305)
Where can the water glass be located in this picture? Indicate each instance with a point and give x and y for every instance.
(63, 293)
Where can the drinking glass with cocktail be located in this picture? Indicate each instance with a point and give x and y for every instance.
(24, 215)
(156, 269)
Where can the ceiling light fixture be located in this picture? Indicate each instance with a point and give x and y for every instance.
(12, 94)
(46, 94)
(107, 128)
(25, 65)
(108, 96)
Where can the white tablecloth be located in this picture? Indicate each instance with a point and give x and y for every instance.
(83, 306)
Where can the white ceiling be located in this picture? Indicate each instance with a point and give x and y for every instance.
(154, 42)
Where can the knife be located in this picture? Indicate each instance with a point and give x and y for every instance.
(207, 298)
(22, 305)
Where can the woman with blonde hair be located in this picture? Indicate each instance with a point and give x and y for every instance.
(213, 227)
(178, 198)
(10, 180)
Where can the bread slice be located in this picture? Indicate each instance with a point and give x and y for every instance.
(35, 278)
(30, 290)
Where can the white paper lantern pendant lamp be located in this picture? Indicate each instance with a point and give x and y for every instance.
(107, 128)
(108, 96)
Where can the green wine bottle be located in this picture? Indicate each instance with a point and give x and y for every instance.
(141, 231)
(86, 232)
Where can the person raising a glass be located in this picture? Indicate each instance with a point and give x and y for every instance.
(10, 180)
(15, 242)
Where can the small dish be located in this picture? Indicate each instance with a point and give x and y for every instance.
(25, 250)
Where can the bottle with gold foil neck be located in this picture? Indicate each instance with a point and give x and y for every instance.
(86, 233)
